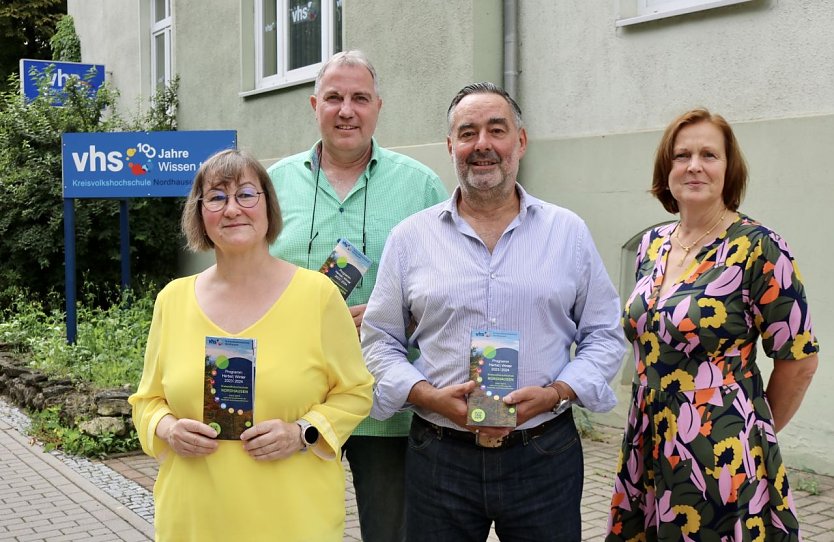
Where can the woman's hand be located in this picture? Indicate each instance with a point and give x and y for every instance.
(187, 437)
(272, 439)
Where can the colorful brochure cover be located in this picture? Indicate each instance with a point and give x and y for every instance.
(229, 386)
(493, 364)
(346, 266)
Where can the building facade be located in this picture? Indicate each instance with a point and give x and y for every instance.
(597, 80)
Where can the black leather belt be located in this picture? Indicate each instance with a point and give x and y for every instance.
(515, 437)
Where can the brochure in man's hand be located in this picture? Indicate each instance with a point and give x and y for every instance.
(493, 364)
(346, 266)
(229, 386)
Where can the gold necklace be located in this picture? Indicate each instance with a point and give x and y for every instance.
(685, 248)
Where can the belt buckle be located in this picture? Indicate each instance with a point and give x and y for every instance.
(485, 441)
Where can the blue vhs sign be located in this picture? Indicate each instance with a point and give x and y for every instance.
(31, 71)
(137, 164)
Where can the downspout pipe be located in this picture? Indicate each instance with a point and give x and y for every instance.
(511, 48)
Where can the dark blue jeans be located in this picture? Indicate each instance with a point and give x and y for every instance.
(532, 490)
(378, 465)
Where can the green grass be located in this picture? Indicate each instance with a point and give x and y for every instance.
(109, 346)
(48, 428)
(808, 484)
(108, 354)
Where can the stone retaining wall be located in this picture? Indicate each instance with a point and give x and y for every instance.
(94, 412)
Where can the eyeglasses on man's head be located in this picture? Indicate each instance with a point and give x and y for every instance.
(215, 200)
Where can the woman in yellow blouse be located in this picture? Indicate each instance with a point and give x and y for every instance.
(282, 480)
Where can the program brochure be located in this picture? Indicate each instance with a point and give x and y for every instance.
(346, 266)
(493, 364)
(229, 386)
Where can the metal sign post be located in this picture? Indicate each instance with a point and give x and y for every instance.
(69, 266)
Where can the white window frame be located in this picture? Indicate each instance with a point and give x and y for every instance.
(641, 11)
(284, 77)
(161, 27)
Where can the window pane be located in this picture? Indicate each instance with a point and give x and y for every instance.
(269, 38)
(304, 40)
(159, 60)
(160, 11)
(337, 26)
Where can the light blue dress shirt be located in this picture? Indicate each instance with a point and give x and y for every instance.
(544, 279)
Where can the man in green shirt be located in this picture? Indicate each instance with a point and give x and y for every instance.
(347, 186)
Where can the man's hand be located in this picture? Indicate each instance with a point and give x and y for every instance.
(531, 401)
(449, 401)
(358, 314)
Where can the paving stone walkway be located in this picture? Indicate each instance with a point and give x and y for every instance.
(43, 499)
(52, 497)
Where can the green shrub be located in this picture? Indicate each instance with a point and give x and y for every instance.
(21, 321)
(108, 354)
(48, 428)
(809, 484)
(31, 199)
(25, 29)
(162, 113)
(65, 43)
(110, 345)
(584, 424)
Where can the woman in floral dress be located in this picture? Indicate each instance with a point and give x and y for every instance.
(699, 459)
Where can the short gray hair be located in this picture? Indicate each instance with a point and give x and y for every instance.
(347, 58)
(484, 88)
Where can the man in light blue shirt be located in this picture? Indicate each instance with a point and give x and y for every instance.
(492, 258)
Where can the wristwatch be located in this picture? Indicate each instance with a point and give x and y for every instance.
(564, 402)
(309, 434)
(561, 406)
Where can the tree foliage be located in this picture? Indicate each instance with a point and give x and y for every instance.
(162, 114)
(31, 199)
(65, 43)
(25, 29)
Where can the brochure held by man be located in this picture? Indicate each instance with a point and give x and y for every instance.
(493, 364)
(346, 266)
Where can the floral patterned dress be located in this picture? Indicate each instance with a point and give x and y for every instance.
(699, 459)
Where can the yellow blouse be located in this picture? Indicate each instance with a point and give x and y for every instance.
(308, 364)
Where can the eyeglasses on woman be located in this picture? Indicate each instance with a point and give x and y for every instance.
(215, 200)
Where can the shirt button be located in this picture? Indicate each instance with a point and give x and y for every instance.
(492, 275)
(341, 209)
(492, 321)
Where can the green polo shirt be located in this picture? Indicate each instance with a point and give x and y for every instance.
(391, 188)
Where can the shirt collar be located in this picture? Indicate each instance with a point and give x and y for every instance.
(313, 158)
(526, 202)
